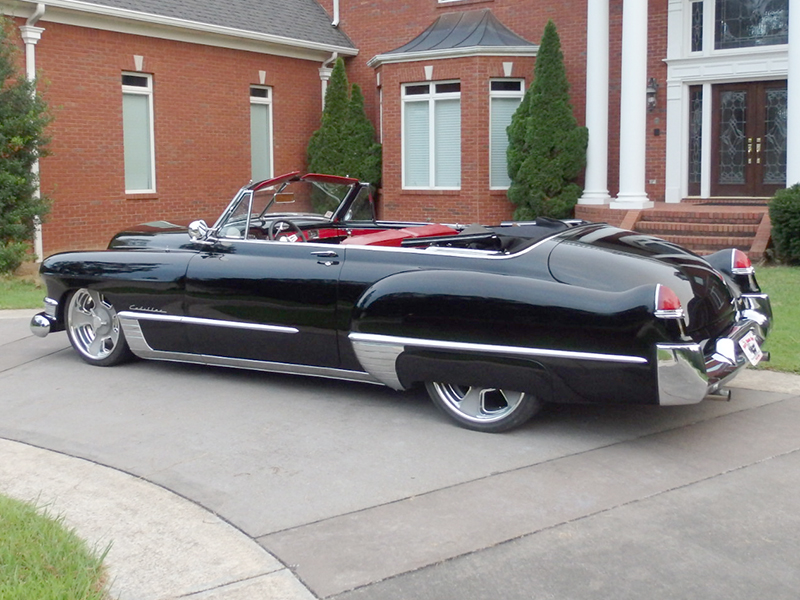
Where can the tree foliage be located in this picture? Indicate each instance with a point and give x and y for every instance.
(23, 119)
(547, 149)
(345, 142)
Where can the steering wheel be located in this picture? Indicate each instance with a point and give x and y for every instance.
(281, 229)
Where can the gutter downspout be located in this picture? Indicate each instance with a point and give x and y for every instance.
(325, 75)
(335, 21)
(31, 35)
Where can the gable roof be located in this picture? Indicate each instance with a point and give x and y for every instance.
(299, 20)
(465, 33)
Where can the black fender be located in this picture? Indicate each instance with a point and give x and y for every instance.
(507, 331)
(149, 279)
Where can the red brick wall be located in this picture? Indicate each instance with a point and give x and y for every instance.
(473, 202)
(378, 26)
(202, 128)
(202, 113)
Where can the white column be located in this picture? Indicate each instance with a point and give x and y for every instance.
(633, 108)
(31, 35)
(793, 97)
(324, 77)
(677, 103)
(596, 185)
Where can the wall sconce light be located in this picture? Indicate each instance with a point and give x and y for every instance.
(652, 90)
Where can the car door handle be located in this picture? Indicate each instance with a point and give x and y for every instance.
(325, 254)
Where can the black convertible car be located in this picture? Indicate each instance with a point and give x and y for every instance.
(494, 321)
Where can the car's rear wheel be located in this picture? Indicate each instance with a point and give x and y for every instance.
(94, 330)
(485, 409)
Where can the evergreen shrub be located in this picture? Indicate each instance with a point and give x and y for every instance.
(784, 212)
(23, 119)
(546, 149)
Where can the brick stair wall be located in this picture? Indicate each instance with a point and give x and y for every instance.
(700, 230)
(703, 232)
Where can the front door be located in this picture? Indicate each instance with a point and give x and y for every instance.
(265, 301)
(749, 139)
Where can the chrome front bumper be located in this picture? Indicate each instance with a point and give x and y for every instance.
(687, 374)
(46, 322)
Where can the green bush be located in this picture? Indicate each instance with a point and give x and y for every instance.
(546, 147)
(23, 119)
(784, 212)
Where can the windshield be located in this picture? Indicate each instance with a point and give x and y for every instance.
(307, 199)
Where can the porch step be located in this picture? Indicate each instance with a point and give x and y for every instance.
(662, 228)
(708, 244)
(705, 231)
(696, 217)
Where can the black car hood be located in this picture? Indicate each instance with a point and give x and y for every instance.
(602, 257)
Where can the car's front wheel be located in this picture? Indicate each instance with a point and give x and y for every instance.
(94, 330)
(485, 409)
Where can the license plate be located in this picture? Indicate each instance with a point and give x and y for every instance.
(751, 349)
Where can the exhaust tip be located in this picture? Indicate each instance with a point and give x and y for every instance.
(720, 395)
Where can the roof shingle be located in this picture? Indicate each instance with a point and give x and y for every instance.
(303, 20)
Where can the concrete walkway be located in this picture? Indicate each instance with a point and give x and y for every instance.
(161, 545)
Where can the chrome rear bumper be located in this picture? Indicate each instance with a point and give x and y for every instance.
(687, 374)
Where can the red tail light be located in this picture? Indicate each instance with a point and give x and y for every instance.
(740, 263)
(668, 305)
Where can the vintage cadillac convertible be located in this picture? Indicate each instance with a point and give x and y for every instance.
(494, 321)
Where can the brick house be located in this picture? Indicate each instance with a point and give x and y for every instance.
(685, 100)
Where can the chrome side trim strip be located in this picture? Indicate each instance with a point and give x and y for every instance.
(140, 347)
(491, 348)
(147, 316)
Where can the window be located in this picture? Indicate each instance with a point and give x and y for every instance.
(505, 96)
(697, 26)
(432, 135)
(260, 133)
(137, 130)
(745, 23)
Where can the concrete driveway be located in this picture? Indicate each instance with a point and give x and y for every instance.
(366, 493)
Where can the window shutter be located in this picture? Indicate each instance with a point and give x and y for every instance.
(447, 138)
(502, 111)
(416, 155)
(260, 142)
(136, 140)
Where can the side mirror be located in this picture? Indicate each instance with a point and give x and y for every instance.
(198, 231)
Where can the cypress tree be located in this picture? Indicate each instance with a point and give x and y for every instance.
(364, 153)
(23, 119)
(345, 142)
(327, 148)
(547, 149)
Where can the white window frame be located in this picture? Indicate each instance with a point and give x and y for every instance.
(496, 94)
(267, 101)
(431, 98)
(148, 92)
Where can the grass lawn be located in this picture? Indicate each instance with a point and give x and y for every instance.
(782, 284)
(41, 558)
(18, 292)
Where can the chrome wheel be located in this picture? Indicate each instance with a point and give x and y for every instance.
(93, 328)
(484, 408)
